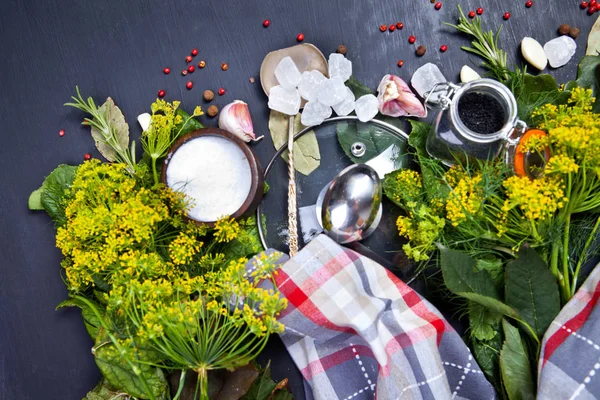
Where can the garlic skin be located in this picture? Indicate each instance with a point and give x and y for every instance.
(397, 100)
(235, 118)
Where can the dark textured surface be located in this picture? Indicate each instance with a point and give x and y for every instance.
(118, 49)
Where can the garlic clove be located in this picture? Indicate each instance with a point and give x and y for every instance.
(235, 118)
(144, 120)
(534, 53)
(468, 74)
(396, 99)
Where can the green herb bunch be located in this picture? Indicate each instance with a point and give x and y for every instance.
(485, 45)
(158, 292)
(109, 130)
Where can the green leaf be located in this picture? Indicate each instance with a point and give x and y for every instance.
(499, 307)
(358, 88)
(514, 365)
(103, 391)
(483, 321)
(535, 91)
(54, 190)
(117, 121)
(121, 375)
(90, 319)
(35, 200)
(431, 169)
(492, 303)
(307, 157)
(460, 275)
(487, 354)
(531, 289)
(192, 125)
(247, 243)
(593, 43)
(418, 136)
(376, 141)
(588, 76)
(494, 267)
(264, 388)
(393, 190)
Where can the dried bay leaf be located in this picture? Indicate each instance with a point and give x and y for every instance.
(115, 119)
(307, 157)
(593, 44)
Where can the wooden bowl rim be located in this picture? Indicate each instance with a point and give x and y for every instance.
(257, 181)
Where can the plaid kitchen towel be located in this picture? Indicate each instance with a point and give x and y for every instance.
(357, 332)
(570, 357)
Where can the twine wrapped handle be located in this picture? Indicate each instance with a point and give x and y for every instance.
(292, 212)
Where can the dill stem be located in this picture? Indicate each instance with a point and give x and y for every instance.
(181, 384)
(565, 282)
(554, 262)
(154, 172)
(202, 383)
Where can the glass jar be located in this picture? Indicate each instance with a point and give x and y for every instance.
(475, 120)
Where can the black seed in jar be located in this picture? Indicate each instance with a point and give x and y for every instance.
(481, 113)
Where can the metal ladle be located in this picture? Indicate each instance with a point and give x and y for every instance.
(306, 57)
(349, 208)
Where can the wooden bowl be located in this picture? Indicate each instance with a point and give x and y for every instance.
(257, 184)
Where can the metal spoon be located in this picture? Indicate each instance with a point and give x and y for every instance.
(349, 208)
(306, 57)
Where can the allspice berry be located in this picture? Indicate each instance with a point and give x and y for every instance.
(564, 29)
(421, 50)
(212, 111)
(342, 49)
(208, 95)
(574, 33)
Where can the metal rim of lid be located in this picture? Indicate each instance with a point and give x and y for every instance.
(399, 133)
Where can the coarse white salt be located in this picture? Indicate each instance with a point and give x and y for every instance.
(214, 173)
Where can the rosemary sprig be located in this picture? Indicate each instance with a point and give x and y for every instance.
(109, 135)
(485, 45)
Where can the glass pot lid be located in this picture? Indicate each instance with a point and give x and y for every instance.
(342, 142)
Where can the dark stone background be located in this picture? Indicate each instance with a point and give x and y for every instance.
(118, 49)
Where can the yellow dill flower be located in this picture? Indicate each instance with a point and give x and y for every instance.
(403, 186)
(465, 199)
(404, 227)
(111, 226)
(183, 249)
(421, 229)
(536, 199)
(454, 175)
(410, 183)
(534, 144)
(582, 98)
(561, 164)
(226, 230)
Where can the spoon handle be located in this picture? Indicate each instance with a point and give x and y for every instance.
(292, 216)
